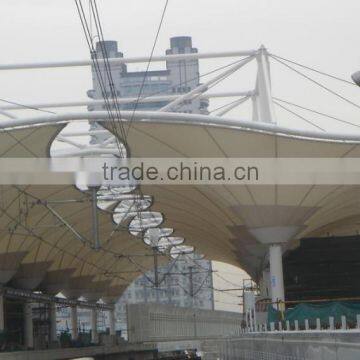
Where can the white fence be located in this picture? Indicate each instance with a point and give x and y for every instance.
(304, 326)
(156, 322)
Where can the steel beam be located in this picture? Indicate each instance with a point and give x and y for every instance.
(130, 60)
(157, 117)
(44, 298)
(124, 100)
(95, 218)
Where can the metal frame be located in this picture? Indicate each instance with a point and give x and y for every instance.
(64, 222)
(123, 100)
(180, 118)
(130, 60)
(263, 115)
(263, 109)
(40, 297)
(204, 87)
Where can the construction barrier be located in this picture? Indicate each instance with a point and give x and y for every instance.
(157, 322)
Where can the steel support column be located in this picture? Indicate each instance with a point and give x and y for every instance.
(263, 106)
(2, 314)
(95, 218)
(276, 275)
(274, 236)
(53, 334)
(112, 322)
(74, 323)
(156, 274)
(28, 326)
(94, 332)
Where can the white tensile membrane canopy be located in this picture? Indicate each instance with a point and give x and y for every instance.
(226, 223)
(233, 223)
(46, 233)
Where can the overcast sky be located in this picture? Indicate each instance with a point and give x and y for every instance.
(321, 33)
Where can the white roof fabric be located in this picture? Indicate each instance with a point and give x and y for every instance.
(37, 250)
(218, 219)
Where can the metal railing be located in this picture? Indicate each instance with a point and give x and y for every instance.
(311, 324)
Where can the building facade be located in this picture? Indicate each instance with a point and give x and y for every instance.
(179, 77)
(186, 282)
(63, 322)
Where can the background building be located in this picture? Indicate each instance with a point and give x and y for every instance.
(179, 77)
(84, 319)
(185, 281)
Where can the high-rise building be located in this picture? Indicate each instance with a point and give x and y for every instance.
(179, 77)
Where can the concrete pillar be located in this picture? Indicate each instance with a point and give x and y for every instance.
(358, 321)
(251, 321)
(28, 326)
(331, 323)
(2, 315)
(296, 324)
(307, 327)
(343, 322)
(274, 236)
(94, 333)
(276, 275)
(74, 322)
(112, 322)
(318, 324)
(53, 334)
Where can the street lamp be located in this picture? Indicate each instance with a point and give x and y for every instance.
(356, 78)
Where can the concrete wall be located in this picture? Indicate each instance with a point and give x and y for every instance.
(312, 345)
(125, 351)
(156, 322)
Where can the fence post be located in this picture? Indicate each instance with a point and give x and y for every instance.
(307, 324)
(358, 321)
(331, 323)
(272, 326)
(318, 324)
(287, 325)
(296, 325)
(343, 322)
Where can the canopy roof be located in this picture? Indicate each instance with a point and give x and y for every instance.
(40, 247)
(226, 223)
